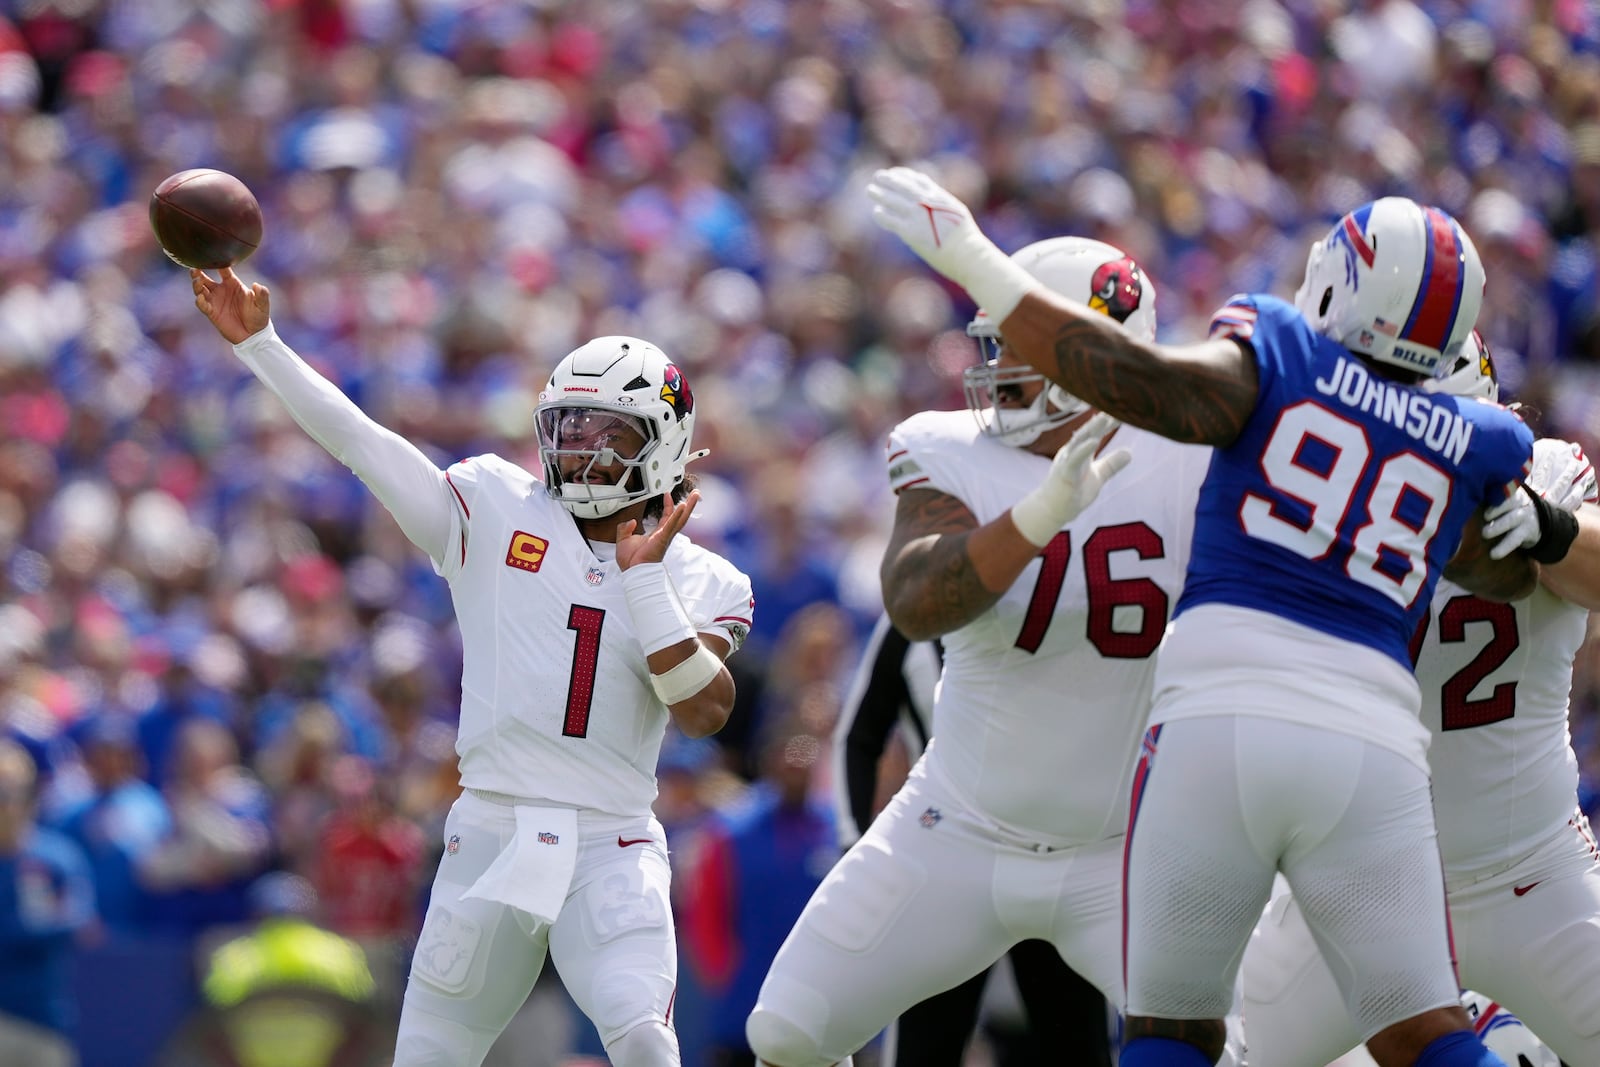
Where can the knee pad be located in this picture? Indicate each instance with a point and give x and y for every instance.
(780, 1043)
(629, 993)
(441, 1043)
(650, 1044)
(421, 1051)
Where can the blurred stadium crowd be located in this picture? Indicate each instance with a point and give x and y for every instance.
(220, 651)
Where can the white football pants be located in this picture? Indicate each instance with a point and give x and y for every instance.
(1536, 952)
(929, 896)
(476, 961)
(1220, 805)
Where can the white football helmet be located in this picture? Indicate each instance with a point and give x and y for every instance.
(1505, 1035)
(1088, 271)
(1395, 281)
(1469, 373)
(598, 393)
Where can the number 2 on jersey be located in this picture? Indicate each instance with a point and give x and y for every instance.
(1317, 459)
(1457, 711)
(1105, 593)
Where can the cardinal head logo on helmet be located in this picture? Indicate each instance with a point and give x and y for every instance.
(675, 391)
(1116, 288)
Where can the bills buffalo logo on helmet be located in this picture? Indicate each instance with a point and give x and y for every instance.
(675, 391)
(1116, 288)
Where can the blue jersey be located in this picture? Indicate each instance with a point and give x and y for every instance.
(1346, 493)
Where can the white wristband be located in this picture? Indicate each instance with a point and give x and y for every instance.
(657, 615)
(1039, 516)
(687, 678)
(995, 282)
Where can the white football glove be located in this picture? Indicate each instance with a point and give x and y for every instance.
(938, 227)
(1561, 473)
(1512, 525)
(1563, 477)
(1075, 478)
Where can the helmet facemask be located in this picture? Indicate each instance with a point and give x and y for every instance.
(580, 447)
(988, 384)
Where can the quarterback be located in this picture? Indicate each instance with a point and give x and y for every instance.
(587, 620)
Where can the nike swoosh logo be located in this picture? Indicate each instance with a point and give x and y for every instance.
(1521, 889)
(646, 840)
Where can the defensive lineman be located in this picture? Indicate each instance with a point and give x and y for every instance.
(1520, 861)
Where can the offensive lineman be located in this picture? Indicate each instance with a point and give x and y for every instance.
(894, 686)
(1050, 603)
(1520, 862)
(1285, 707)
(584, 627)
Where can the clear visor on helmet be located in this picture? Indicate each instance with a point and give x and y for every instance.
(582, 445)
(591, 429)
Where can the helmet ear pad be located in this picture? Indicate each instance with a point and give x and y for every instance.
(626, 378)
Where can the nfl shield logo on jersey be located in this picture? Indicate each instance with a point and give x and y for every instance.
(547, 838)
(453, 845)
(930, 818)
(595, 576)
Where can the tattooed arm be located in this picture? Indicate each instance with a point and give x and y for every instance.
(1201, 393)
(942, 569)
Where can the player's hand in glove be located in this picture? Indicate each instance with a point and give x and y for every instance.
(1075, 478)
(938, 227)
(1561, 473)
(1530, 522)
(1512, 525)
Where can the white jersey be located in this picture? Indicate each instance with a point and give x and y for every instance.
(1042, 701)
(556, 702)
(1495, 679)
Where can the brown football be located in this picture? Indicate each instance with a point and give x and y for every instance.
(206, 219)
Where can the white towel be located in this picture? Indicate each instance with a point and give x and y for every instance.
(534, 871)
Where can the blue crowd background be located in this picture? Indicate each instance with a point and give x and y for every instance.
(220, 652)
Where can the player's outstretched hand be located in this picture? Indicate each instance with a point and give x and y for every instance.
(939, 228)
(1075, 479)
(931, 220)
(634, 548)
(236, 310)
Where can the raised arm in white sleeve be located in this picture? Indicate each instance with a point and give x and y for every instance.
(403, 479)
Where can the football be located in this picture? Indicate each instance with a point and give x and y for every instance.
(205, 218)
